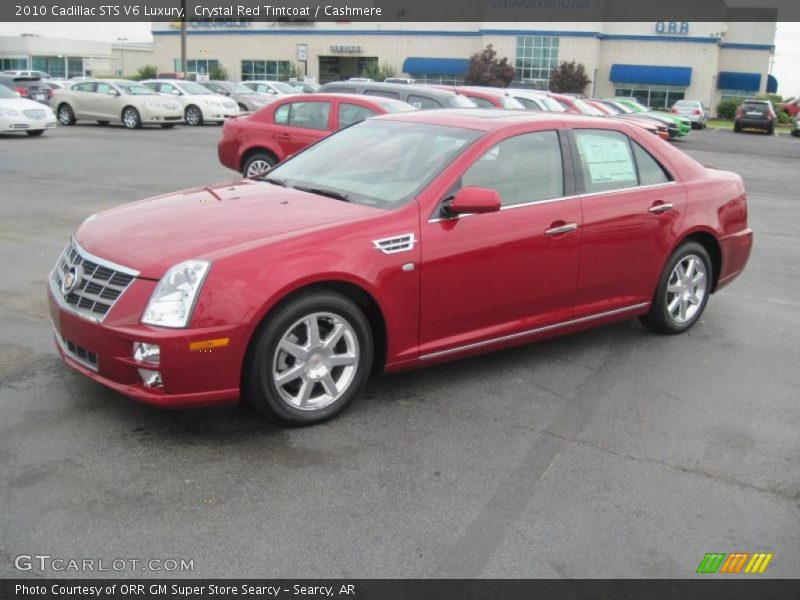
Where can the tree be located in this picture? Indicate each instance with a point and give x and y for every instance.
(218, 73)
(486, 69)
(146, 72)
(569, 77)
(726, 109)
(378, 72)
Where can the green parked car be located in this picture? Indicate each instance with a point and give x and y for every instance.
(684, 125)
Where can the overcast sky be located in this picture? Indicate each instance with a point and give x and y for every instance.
(786, 67)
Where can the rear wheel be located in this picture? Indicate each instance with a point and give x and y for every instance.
(193, 116)
(309, 360)
(682, 291)
(35, 132)
(131, 118)
(65, 115)
(258, 164)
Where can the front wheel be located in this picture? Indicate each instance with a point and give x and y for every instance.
(193, 116)
(682, 291)
(309, 360)
(131, 118)
(65, 115)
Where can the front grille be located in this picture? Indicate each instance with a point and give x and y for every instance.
(36, 115)
(99, 283)
(77, 353)
(20, 126)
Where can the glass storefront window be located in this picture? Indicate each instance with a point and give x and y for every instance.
(271, 70)
(654, 96)
(197, 67)
(437, 79)
(536, 57)
(58, 66)
(13, 64)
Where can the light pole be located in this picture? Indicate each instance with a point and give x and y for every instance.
(121, 40)
(183, 39)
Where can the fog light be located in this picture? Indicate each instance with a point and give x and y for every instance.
(146, 353)
(151, 378)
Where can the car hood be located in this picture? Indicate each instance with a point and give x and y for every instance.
(152, 235)
(22, 104)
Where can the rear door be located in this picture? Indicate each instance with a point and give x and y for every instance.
(632, 208)
(301, 123)
(348, 113)
(106, 101)
(82, 99)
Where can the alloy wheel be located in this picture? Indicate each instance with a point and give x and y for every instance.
(315, 361)
(686, 288)
(258, 167)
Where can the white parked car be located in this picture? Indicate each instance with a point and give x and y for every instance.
(21, 114)
(271, 88)
(106, 100)
(200, 105)
(694, 110)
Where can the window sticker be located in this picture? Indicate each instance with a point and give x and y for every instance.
(607, 158)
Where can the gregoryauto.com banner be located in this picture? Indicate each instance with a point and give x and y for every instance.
(298, 12)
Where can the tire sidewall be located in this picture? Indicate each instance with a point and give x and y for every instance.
(261, 388)
(660, 298)
(255, 157)
(196, 110)
(137, 123)
(66, 109)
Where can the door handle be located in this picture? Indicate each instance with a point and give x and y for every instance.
(284, 136)
(565, 228)
(660, 208)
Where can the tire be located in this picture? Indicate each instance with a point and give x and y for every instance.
(255, 165)
(65, 115)
(35, 132)
(243, 108)
(796, 133)
(131, 118)
(193, 116)
(318, 391)
(673, 310)
(771, 130)
(103, 123)
(736, 127)
(167, 125)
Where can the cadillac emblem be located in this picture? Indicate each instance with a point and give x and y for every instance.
(71, 280)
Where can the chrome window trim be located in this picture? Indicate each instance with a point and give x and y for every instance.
(513, 336)
(561, 199)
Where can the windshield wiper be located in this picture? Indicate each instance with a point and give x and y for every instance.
(272, 180)
(324, 192)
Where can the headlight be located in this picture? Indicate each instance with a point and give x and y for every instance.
(8, 113)
(172, 301)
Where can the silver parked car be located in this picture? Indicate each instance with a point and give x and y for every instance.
(694, 110)
(247, 99)
(106, 100)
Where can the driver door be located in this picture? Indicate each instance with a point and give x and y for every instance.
(486, 276)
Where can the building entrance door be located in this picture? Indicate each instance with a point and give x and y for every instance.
(341, 68)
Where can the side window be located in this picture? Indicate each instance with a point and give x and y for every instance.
(217, 89)
(606, 160)
(650, 170)
(423, 103)
(383, 93)
(311, 115)
(282, 115)
(102, 88)
(83, 87)
(524, 168)
(166, 88)
(351, 113)
(481, 102)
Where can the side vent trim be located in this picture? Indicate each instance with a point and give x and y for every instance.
(398, 243)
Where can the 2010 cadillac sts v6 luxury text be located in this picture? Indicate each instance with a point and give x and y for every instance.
(399, 242)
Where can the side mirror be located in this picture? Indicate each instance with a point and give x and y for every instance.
(112, 92)
(471, 199)
(176, 93)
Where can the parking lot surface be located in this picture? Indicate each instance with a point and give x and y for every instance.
(609, 453)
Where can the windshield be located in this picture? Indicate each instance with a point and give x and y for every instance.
(623, 108)
(687, 103)
(509, 102)
(459, 101)
(189, 87)
(6, 93)
(376, 162)
(395, 106)
(238, 88)
(135, 89)
(284, 88)
(587, 109)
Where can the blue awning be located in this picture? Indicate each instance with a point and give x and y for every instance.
(732, 80)
(652, 75)
(419, 65)
(772, 85)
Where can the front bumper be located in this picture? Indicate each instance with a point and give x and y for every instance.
(161, 115)
(25, 124)
(103, 351)
(215, 113)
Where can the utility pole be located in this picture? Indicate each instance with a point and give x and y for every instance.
(183, 39)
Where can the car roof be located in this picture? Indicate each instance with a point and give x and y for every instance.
(489, 119)
(396, 87)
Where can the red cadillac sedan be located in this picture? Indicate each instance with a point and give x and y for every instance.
(252, 145)
(399, 242)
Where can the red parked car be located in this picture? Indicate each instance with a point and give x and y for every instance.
(254, 144)
(402, 241)
(484, 97)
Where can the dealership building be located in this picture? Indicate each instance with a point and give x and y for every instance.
(657, 62)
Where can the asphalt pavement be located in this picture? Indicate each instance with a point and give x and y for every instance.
(609, 453)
